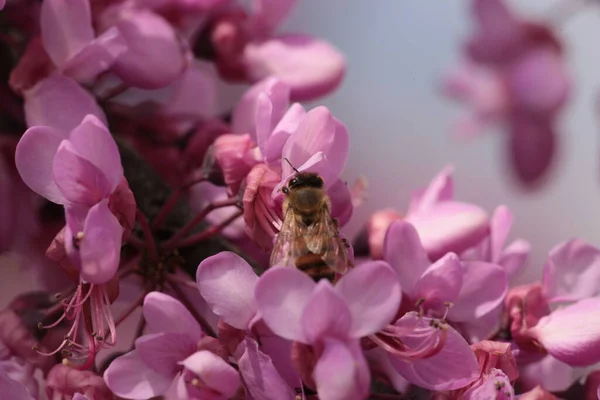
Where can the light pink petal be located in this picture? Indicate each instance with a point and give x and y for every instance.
(154, 56)
(66, 27)
(100, 248)
(79, 396)
(162, 352)
(532, 147)
(441, 188)
(572, 333)
(279, 350)
(281, 132)
(96, 57)
(341, 201)
(78, 179)
(128, 377)
(311, 67)
(340, 373)
(59, 102)
(227, 282)
(538, 82)
(441, 282)
(214, 372)
(450, 226)
(185, 98)
(165, 314)
(403, 251)
(500, 225)
(372, 294)
(92, 140)
(34, 157)
(572, 271)
(261, 377)
(484, 286)
(494, 385)
(282, 295)
(12, 389)
(326, 314)
(550, 373)
(268, 14)
(269, 112)
(243, 119)
(454, 367)
(514, 257)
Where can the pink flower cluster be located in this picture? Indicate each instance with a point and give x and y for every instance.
(124, 187)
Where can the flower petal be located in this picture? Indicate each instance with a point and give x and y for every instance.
(441, 282)
(127, 376)
(285, 127)
(66, 27)
(494, 385)
(340, 373)
(441, 188)
(13, 389)
(484, 286)
(261, 378)
(572, 333)
(165, 314)
(453, 367)
(268, 14)
(227, 282)
(92, 140)
(373, 296)
(572, 271)
(100, 248)
(341, 202)
(214, 372)
(59, 102)
(34, 157)
(326, 314)
(403, 251)
(162, 352)
(550, 373)
(532, 148)
(514, 257)
(500, 225)
(311, 67)
(282, 294)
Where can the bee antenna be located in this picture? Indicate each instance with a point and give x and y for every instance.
(294, 168)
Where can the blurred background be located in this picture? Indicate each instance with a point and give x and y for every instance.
(400, 124)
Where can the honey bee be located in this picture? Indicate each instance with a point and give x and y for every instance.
(309, 237)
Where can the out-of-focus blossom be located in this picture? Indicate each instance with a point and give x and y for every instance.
(447, 287)
(13, 389)
(538, 393)
(494, 385)
(515, 74)
(245, 47)
(330, 320)
(63, 381)
(443, 223)
(69, 40)
(592, 386)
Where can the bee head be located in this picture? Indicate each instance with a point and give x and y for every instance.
(305, 179)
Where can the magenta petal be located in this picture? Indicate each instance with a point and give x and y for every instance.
(500, 225)
(96, 57)
(214, 372)
(572, 271)
(403, 251)
(326, 314)
(162, 352)
(127, 376)
(184, 99)
(514, 257)
(59, 102)
(532, 147)
(372, 293)
(341, 201)
(483, 289)
(450, 226)
(281, 132)
(494, 385)
(572, 333)
(441, 188)
(165, 314)
(66, 27)
(261, 378)
(341, 373)
(93, 142)
(453, 367)
(100, 248)
(154, 56)
(227, 282)
(268, 14)
(34, 157)
(78, 179)
(282, 294)
(550, 373)
(441, 282)
(12, 389)
(311, 67)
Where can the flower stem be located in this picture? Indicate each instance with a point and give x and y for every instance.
(150, 244)
(201, 236)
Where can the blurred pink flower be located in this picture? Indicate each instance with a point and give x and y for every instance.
(63, 381)
(493, 385)
(13, 389)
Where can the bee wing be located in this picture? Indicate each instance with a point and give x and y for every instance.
(323, 239)
(290, 242)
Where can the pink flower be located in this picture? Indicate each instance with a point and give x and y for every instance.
(493, 385)
(170, 354)
(13, 389)
(330, 320)
(247, 48)
(69, 40)
(447, 287)
(66, 381)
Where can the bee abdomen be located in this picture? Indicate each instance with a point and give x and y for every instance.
(314, 266)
